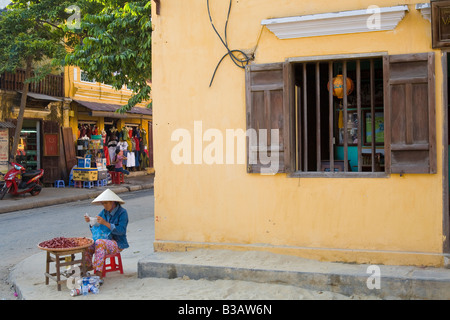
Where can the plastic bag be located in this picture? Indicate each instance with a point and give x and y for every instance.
(100, 231)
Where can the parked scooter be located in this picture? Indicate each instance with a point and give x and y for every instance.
(19, 181)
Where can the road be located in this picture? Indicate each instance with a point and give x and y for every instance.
(21, 231)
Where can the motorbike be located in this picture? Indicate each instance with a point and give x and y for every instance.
(19, 181)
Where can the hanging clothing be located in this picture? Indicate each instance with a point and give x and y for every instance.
(144, 136)
(106, 152)
(131, 160)
(136, 158)
(144, 161)
(136, 141)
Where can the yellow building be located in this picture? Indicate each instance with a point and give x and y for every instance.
(63, 108)
(93, 105)
(266, 157)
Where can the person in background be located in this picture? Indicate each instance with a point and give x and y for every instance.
(118, 162)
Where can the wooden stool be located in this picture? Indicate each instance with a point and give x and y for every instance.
(112, 265)
(57, 257)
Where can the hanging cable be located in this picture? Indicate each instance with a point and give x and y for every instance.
(240, 62)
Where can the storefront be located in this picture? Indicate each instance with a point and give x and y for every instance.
(40, 144)
(100, 131)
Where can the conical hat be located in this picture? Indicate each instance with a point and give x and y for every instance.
(107, 195)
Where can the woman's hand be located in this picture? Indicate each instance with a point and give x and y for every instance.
(103, 222)
(86, 218)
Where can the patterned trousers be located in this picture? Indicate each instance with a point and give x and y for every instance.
(99, 250)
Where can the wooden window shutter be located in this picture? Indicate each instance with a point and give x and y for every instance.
(269, 95)
(410, 124)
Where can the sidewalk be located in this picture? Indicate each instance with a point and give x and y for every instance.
(50, 196)
(218, 274)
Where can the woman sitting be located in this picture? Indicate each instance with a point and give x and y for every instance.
(113, 218)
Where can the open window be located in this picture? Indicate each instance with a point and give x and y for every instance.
(365, 116)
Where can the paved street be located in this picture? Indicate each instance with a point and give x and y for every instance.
(21, 231)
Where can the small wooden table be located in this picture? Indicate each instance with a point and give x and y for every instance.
(58, 256)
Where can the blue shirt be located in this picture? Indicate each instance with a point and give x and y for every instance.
(118, 218)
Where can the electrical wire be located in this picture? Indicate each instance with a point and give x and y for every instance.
(240, 62)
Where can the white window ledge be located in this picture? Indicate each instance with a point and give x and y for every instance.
(355, 21)
(425, 10)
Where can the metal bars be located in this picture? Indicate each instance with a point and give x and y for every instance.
(318, 140)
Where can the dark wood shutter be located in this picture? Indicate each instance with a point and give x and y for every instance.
(69, 149)
(410, 124)
(51, 164)
(269, 94)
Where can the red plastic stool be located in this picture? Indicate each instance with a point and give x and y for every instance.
(78, 184)
(113, 265)
(116, 177)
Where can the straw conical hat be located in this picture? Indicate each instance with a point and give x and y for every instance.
(107, 195)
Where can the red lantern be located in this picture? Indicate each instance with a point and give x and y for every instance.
(338, 86)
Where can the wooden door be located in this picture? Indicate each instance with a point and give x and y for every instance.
(51, 164)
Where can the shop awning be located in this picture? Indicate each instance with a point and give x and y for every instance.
(39, 96)
(109, 110)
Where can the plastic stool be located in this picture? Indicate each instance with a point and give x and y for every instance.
(113, 265)
(60, 184)
(71, 183)
(77, 184)
(104, 182)
(116, 177)
(99, 183)
(88, 184)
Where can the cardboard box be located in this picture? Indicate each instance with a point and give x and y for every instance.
(102, 174)
(84, 162)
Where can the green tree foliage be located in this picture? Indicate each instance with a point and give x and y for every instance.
(23, 42)
(110, 40)
(115, 47)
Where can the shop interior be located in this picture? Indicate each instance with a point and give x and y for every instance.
(313, 119)
(28, 150)
(100, 145)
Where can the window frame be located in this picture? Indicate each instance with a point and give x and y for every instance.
(410, 136)
(339, 174)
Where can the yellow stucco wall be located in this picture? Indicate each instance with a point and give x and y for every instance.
(395, 220)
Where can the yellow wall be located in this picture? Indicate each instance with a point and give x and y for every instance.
(396, 220)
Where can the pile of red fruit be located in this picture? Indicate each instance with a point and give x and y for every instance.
(59, 243)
